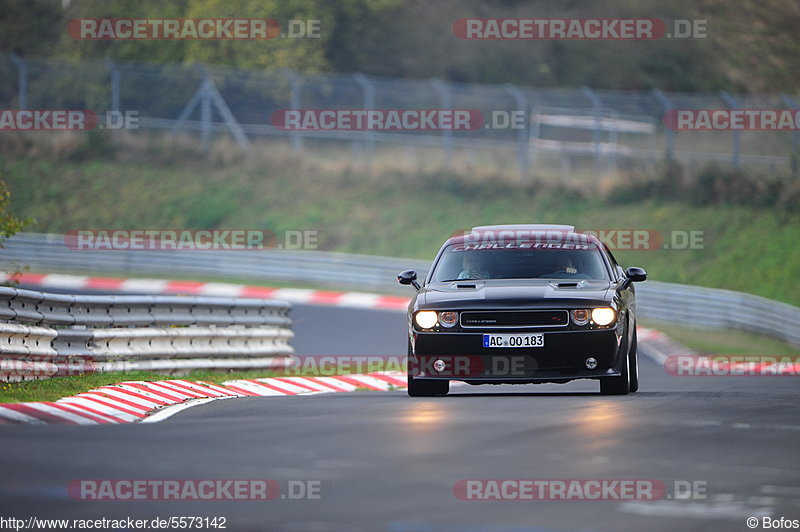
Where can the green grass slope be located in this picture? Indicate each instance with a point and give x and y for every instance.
(751, 249)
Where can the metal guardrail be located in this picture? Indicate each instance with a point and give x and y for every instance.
(48, 252)
(158, 333)
(124, 311)
(713, 308)
(668, 302)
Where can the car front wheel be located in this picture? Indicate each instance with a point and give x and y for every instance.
(633, 364)
(618, 385)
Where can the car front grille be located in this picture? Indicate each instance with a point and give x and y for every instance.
(514, 318)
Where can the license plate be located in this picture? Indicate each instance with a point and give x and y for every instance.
(513, 340)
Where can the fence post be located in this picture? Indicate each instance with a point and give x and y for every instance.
(206, 96)
(523, 135)
(368, 90)
(445, 102)
(666, 104)
(795, 136)
(731, 102)
(596, 104)
(114, 84)
(295, 138)
(205, 115)
(22, 69)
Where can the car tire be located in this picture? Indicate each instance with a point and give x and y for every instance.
(422, 387)
(426, 388)
(618, 385)
(633, 365)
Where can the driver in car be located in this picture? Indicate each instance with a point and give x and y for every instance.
(472, 268)
(562, 265)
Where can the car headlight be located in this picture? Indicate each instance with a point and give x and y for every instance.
(580, 316)
(448, 319)
(426, 318)
(603, 316)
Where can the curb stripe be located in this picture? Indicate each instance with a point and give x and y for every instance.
(319, 386)
(214, 386)
(103, 400)
(134, 395)
(242, 391)
(116, 395)
(40, 414)
(196, 386)
(360, 384)
(112, 413)
(18, 417)
(84, 412)
(155, 390)
(168, 392)
(134, 401)
(294, 382)
(277, 386)
(50, 408)
(391, 380)
(338, 383)
(165, 286)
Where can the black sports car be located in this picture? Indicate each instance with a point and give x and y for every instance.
(523, 304)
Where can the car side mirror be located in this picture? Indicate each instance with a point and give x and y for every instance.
(408, 277)
(635, 274)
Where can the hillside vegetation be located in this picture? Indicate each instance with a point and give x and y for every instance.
(751, 46)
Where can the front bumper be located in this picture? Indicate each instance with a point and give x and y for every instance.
(462, 356)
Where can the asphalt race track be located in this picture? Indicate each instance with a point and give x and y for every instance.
(390, 462)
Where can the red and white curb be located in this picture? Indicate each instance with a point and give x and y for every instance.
(659, 346)
(161, 286)
(148, 402)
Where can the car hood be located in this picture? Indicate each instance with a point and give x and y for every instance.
(501, 293)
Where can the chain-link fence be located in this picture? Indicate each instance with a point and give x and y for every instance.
(567, 132)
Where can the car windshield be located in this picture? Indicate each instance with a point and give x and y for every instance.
(537, 261)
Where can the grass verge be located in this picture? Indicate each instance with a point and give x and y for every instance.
(724, 341)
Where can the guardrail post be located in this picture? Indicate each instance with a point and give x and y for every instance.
(368, 90)
(22, 82)
(596, 105)
(295, 83)
(523, 135)
(666, 104)
(731, 102)
(445, 102)
(795, 135)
